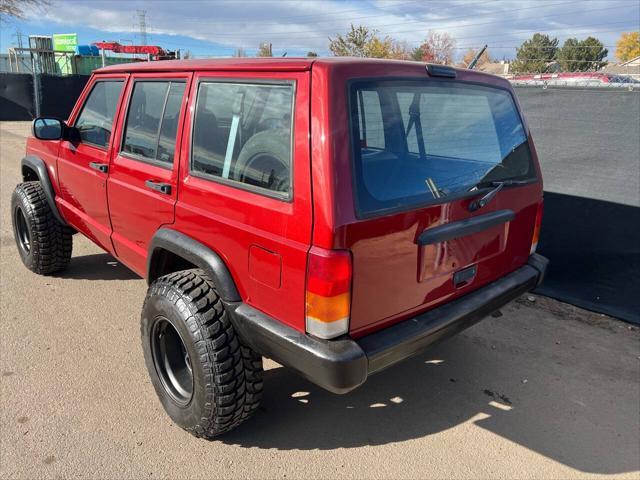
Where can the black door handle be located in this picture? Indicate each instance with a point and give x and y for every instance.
(158, 186)
(101, 167)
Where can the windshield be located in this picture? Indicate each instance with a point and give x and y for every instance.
(417, 142)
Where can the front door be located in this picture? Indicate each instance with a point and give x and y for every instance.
(143, 173)
(83, 161)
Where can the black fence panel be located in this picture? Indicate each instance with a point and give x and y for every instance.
(588, 142)
(16, 96)
(59, 94)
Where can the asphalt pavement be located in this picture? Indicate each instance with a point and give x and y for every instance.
(546, 390)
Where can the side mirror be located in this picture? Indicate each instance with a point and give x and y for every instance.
(48, 128)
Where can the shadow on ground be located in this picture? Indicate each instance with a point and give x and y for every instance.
(100, 266)
(456, 383)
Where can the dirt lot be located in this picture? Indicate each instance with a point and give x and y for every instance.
(544, 391)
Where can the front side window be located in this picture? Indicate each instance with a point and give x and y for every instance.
(152, 120)
(96, 118)
(417, 142)
(242, 133)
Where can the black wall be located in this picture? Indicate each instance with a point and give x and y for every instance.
(588, 142)
(58, 95)
(16, 96)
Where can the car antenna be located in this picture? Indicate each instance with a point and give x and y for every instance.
(473, 62)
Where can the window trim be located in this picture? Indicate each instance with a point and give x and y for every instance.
(285, 197)
(362, 214)
(139, 158)
(106, 147)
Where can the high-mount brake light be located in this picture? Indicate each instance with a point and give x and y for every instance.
(435, 70)
(328, 292)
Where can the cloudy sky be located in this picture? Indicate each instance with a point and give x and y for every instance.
(217, 28)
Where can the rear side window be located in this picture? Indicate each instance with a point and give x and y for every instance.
(96, 118)
(242, 134)
(419, 142)
(152, 120)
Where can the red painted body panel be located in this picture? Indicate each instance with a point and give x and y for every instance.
(229, 220)
(265, 241)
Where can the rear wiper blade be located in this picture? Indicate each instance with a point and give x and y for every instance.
(482, 201)
(495, 183)
(497, 186)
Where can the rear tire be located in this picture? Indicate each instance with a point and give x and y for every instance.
(44, 244)
(207, 382)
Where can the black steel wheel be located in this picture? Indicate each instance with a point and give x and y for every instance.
(171, 361)
(21, 231)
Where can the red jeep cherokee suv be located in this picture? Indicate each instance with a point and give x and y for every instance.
(337, 215)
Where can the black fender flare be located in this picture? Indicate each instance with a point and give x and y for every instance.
(195, 253)
(37, 165)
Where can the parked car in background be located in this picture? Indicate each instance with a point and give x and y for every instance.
(337, 215)
(577, 79)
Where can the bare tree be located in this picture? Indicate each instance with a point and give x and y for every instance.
(16, 8)
(436, 48)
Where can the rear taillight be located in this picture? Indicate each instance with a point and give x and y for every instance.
(328, 294)
(536, 229)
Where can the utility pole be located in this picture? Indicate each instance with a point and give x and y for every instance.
(18, 36)
(142, 26)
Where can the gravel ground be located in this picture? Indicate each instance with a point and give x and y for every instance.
(545, 391)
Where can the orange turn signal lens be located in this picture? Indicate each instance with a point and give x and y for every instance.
(328, 295)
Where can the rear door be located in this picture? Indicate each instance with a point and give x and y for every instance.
(142, 187)
(423, 152)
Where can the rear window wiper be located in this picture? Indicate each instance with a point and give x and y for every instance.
(497, 186)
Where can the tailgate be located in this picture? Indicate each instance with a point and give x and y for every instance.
(424, 152)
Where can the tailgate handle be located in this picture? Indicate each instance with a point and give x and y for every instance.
(452, 230)
(464, 277)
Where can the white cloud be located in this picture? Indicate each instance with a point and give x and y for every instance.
(306, 24)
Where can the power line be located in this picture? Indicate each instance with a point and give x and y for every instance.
(484, 39)
(310, 34)
(404, 22)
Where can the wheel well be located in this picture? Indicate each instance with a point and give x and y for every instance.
(29, 174)
(164, 262)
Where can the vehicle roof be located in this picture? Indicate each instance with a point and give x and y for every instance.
(254, 64)
(286, 64)
(243, 64)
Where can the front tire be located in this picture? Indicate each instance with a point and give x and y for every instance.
(207, 382)
(44, 244)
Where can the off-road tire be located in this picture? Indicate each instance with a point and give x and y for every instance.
(226, 376)
(49, 242)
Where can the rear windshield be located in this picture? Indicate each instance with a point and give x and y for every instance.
(418, 142)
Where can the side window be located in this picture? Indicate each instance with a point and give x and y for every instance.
(96, 118)
(242, 132)
(152, 120)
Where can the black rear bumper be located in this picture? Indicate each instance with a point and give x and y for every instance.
(343, 364)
